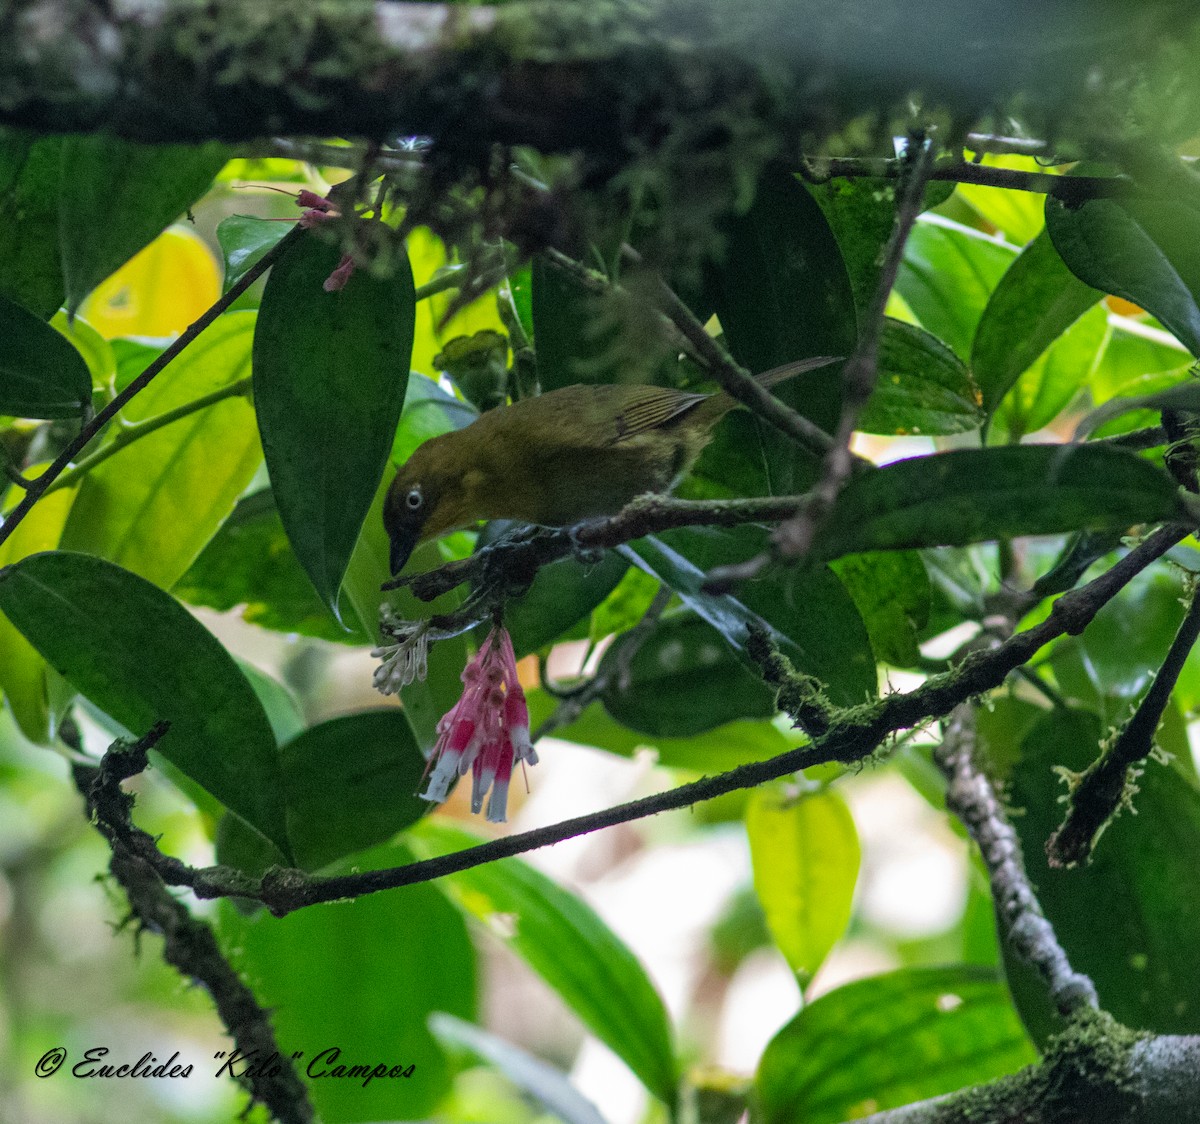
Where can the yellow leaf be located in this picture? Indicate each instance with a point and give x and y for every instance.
(159, 291)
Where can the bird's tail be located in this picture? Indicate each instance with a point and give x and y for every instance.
(790, 370)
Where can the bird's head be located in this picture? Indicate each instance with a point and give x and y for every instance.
(425, 500)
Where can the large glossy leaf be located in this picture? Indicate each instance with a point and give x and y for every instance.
(22, 669)
(330, 371)
(805, 854)
(806, 611)
(30, 174)
(573, 951)
(351, 783)
(152, 506)
(361, 977)
(888, 1041)
(117, 196)
(892, 593)
(782, 292)
(1127, 919)
(1145, 248)
(682, 679)
(725, 747)
(974, 495)
(41, 374)
(948, 273)
(141, 658)
(1036, 300)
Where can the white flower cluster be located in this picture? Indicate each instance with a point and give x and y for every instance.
(407, 658)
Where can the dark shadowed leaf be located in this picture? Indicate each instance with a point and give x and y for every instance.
(30, 174)
(890, 1040)
(1145, 248)
(117, 196)
(243, 240)
(1127, 919)
(41, 374)
(564, 941)
(806, 611)
(330, 371)
(141, 657)
(782, 292)
(682, 679)
(1036, 300)
(974, 495)
(361, 977)
(922, 386)
(351, 783)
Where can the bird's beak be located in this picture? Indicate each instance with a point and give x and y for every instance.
(403, 542)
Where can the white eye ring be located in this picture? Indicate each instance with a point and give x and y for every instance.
(414, 499)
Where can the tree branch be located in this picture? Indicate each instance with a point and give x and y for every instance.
(970, 796)
(851, 735)
(188, 944)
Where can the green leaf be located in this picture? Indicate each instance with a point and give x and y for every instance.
(362, 977)
(948, 274)
(806, 611)
(783, 292)
(1127, 919)
(351, 782)
(280, 705)
(1056, 377)
(892, 594)
(30, 175)
(330, 371)
(888, 1041)
(561, 595)
(153, 505)
(861, 212)
(1020, 215)
(922, 386)
(627, 604)
(243, 240)
(573, 951)
(1036, 300)
(1143, 248)
(95, 350)
(726, 747)
(805, 855)
(22, 669)
(116, 197)
(682, 679)
(41, 374)
(249, 564)
(975, 495)
(141, 658)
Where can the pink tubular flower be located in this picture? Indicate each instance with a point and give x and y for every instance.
(486, 731)
(338, 278)
(317, 209)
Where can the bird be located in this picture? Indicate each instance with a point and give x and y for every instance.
(556, 459)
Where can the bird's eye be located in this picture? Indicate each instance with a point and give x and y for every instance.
(414, 499)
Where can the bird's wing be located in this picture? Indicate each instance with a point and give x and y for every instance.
(652, 408)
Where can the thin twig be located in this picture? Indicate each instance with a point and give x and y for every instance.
(1106, 786)
(794, 539)
(855, 735)
(37, 488)
(971, 797)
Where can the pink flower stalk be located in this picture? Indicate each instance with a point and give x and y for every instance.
(486, 731)
(338, 278)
